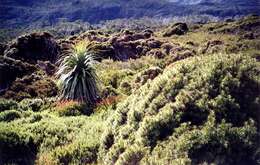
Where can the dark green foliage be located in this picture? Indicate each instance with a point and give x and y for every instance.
(54, 139)
(223, 140)
(108, 92)
(7, 104)
(16, 146)
(211, 143)
(10, 115)
(77, 152)
(31, 104)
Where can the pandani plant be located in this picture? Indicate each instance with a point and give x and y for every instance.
(77, 76)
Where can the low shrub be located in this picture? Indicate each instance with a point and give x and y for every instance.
(31, 104)
(212, 143)
(6, 104)
(16, 146)
(113, 77)
(32, 86)
(125, 87)
(172, 115)
(76, 152)
(73, 108)
(10, 115)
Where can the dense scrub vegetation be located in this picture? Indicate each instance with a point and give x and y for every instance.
(183, 98)
(198, 108)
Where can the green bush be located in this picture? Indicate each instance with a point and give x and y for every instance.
(6, 104)
(212, 143)
(31, 104)
(113, 78)
(35, 118)
(68, 140)
(74, 140)
(77, 153)
(10, 115)
(16, 146)
(73, 108)
(189, 92)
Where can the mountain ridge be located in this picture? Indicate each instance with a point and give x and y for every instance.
(45, 12)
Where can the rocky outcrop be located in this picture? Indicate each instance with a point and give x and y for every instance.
(10, 69)
(121, 46)
(133, 45)
(102, 50)
(33, 47)
(26, 55)
(176, 29)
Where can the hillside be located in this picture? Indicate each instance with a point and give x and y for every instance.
(182, 94)
(42, 13)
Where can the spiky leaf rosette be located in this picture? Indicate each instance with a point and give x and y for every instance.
(77, 75)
